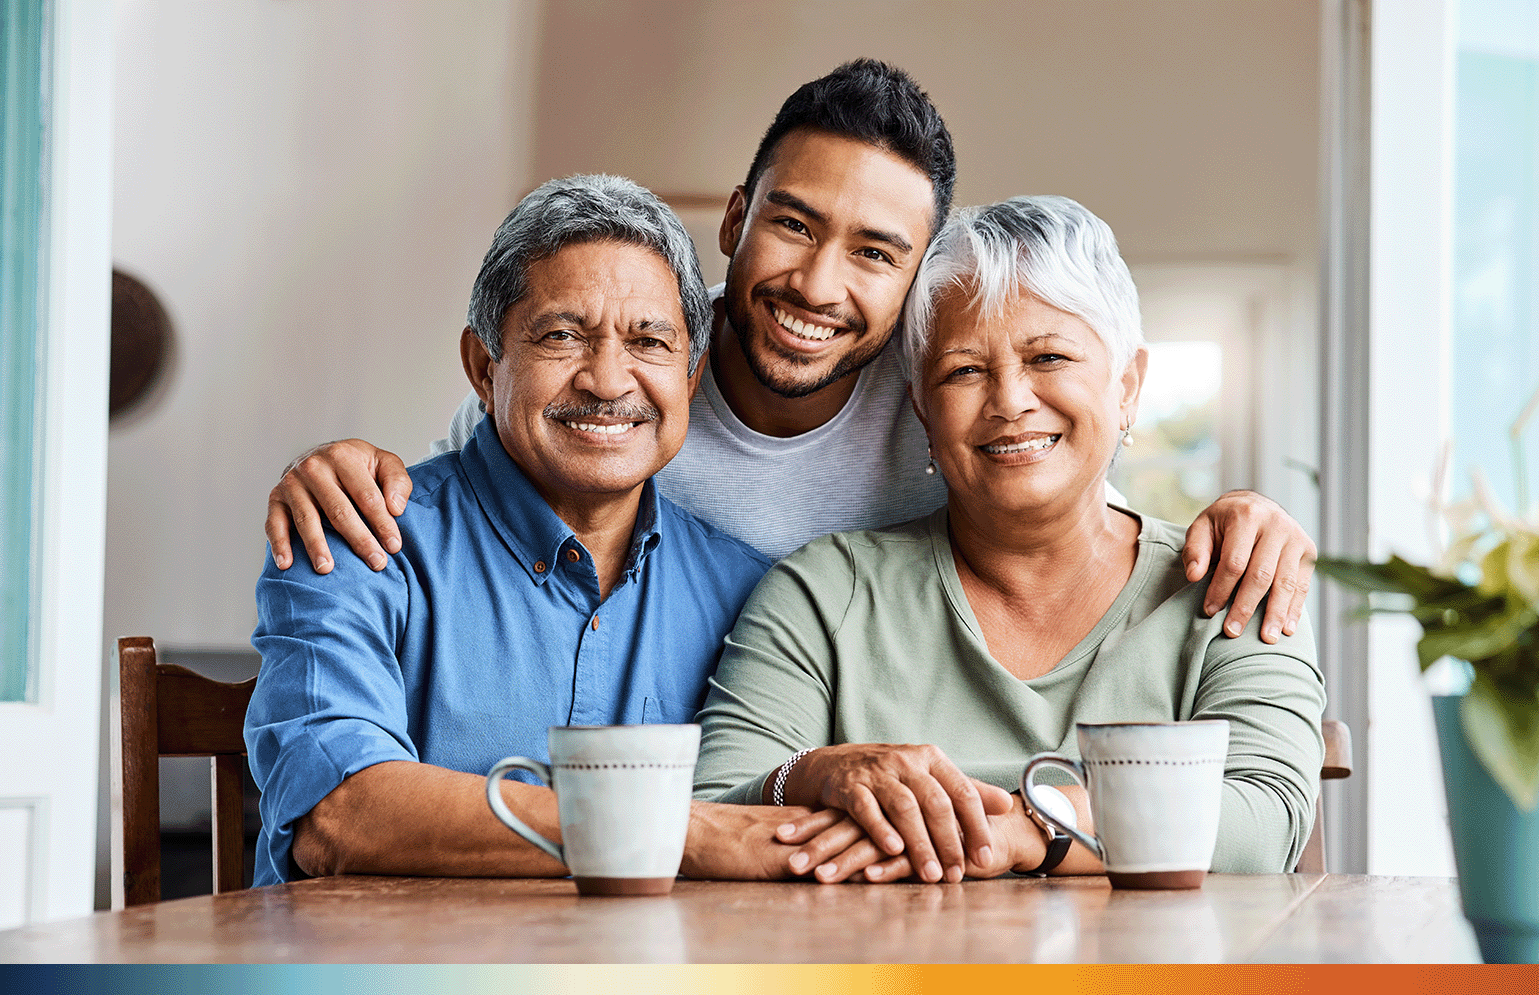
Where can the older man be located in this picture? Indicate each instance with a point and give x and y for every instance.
(542, 581)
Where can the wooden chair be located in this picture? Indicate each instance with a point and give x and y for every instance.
(169, 711)
(1338, 764)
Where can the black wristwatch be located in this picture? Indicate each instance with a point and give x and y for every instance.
(1058, 841)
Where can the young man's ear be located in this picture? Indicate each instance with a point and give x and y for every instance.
(732, 221)
(478, 365)
(695, 377)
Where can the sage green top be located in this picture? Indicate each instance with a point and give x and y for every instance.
(867, 637)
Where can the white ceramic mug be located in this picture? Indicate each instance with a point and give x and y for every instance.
(1155, 789)
(623, 796)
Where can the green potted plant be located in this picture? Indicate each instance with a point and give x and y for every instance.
(1479, 605)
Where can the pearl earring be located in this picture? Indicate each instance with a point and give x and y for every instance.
(1127, 436)
(929, 464)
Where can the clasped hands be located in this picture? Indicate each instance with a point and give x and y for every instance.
(897, 811)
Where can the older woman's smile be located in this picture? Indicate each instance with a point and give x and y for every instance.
(1011, 445)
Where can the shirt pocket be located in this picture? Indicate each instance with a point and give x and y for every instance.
(661, 711)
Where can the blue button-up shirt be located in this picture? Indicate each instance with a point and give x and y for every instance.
(485, 629)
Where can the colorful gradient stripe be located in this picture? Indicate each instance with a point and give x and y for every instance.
(810, 979)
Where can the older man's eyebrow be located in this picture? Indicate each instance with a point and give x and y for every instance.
(546, 319)
(784, 198)
(656, 326)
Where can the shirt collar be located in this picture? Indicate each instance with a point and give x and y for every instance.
(533, 533)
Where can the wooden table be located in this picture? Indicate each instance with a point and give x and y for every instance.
(1266, 918)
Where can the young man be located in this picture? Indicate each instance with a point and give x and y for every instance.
(802, 424)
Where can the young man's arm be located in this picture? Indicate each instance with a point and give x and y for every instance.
(355, 487)
(1250, 541)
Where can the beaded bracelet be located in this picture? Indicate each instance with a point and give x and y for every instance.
(779, 794)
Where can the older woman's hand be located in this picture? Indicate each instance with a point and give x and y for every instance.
(843, 850)
(910, 800)
(1260, 548)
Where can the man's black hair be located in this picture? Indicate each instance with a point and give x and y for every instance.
(875, 103)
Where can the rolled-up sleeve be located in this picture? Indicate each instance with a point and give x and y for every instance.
(1273, 697)
(330, 698)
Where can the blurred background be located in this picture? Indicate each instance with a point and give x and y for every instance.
(1328, 207)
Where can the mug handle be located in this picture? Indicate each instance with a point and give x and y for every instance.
(501, 810)
(1075, 770)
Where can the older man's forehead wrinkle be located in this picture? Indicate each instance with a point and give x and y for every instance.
(546, 319)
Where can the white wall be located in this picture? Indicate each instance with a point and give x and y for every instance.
(309, 186)
(1190, 125)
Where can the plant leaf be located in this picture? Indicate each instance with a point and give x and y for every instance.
(1478, 640)
(1503, 732)
(1394, 577)
(1523, 565)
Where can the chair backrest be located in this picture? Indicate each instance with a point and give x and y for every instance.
(169, 711)
(1338, 764)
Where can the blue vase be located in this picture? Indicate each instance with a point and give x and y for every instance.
(1496, 846)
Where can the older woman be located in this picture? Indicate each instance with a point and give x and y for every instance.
(990, 627)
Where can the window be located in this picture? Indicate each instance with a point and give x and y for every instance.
(22, 227)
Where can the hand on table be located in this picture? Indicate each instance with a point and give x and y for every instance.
(840, 851)
(740, 842)
(1259, 548)
(351, 484)
(910, 800)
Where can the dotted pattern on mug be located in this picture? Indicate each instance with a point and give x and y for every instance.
(624, 766)
(1161, 763)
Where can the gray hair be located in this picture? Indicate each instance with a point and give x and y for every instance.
(1050, 247)
(571, 211)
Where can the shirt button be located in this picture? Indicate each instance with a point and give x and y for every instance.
(539, 566)
(595, 623)
(573, 555)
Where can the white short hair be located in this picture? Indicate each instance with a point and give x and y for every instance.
(1050, 247)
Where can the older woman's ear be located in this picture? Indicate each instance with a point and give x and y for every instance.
(1132, 384)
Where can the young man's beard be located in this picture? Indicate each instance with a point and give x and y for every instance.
(740, 315)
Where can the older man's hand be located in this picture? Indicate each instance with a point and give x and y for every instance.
(1258, 547)
(351, 484)
(909, 799)
(740, 842)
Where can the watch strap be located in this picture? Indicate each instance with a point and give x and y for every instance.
(1057, 848)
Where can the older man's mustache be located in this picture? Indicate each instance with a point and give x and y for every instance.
(617, 410)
